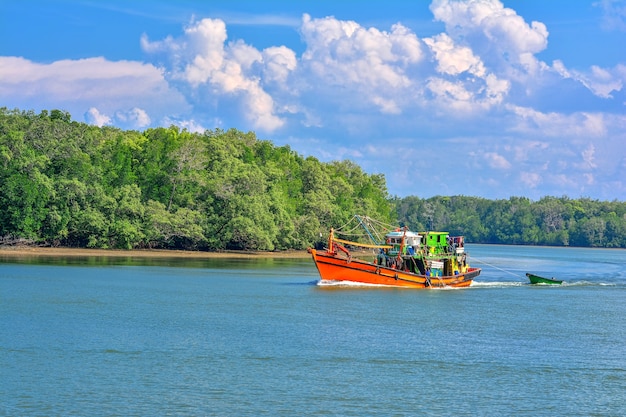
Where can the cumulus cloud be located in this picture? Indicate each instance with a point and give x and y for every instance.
(365, 62)
(190, 125)
(497, 161)
(202, 59)
(84, 85)
(553, 124)
(468, 83)
(601, 82)
(452, 59)
(489, 25)
(136, 117)
(94, 117)
(280, 62)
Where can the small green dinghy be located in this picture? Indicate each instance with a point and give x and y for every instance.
(536, 279)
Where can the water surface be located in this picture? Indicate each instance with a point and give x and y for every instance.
(254, 337)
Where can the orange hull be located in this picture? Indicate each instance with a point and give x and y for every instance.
(332, 267)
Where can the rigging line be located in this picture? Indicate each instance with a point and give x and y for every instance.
(378, 223)
(375, 229)
(357, 223)
(354, 227)
(362, 223)
(345, 225)
(493, 266)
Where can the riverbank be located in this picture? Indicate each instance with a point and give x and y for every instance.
(28, 251)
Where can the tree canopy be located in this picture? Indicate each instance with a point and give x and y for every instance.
(66, 183)
(551, 221)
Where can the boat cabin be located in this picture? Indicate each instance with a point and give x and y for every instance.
(412, 242)
(434, 254)
(436, 242)
(458, 244)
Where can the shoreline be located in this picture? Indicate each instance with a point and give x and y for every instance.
(29, 251)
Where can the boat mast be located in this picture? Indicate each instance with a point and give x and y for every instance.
(402, 242)
(367, 230)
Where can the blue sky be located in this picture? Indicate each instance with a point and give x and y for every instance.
(481, 98)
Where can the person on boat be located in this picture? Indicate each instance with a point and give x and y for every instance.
(381, 257)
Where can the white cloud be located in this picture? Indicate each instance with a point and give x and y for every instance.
(614, 14)
(454, 60)
(343, 57)
(600, 81)
(503, 27)
(81, 85)
(523, 149)
(203, 61)
(588, 158)
(454, 92)
(94, 117)
(566, 181)
(280, 62)
(554, 124)
(497, 161)
(189, 125)
(71, 78)
(497, 33)
(467, 85)
(135, 117)
(530, 179)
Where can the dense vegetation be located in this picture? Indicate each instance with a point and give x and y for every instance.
(549, 221)
(64, 183)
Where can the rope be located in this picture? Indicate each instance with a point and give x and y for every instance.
(493, 266)
(354, 227)
(374, 229)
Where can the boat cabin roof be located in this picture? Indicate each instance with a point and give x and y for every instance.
(402, 233)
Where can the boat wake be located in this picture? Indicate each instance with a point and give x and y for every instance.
(508, 284)
(349, 284)
(584, 283)
(475, 284)
(496, 284)
(352, 284)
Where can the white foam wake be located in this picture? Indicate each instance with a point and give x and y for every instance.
(328, 283)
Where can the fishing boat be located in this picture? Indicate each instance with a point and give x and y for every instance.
(536, 279)
(397, 257)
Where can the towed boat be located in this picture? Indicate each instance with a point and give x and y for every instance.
(401, 258)
(536, 279)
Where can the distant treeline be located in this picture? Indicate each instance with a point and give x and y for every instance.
(65, 183)
(550, 221)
